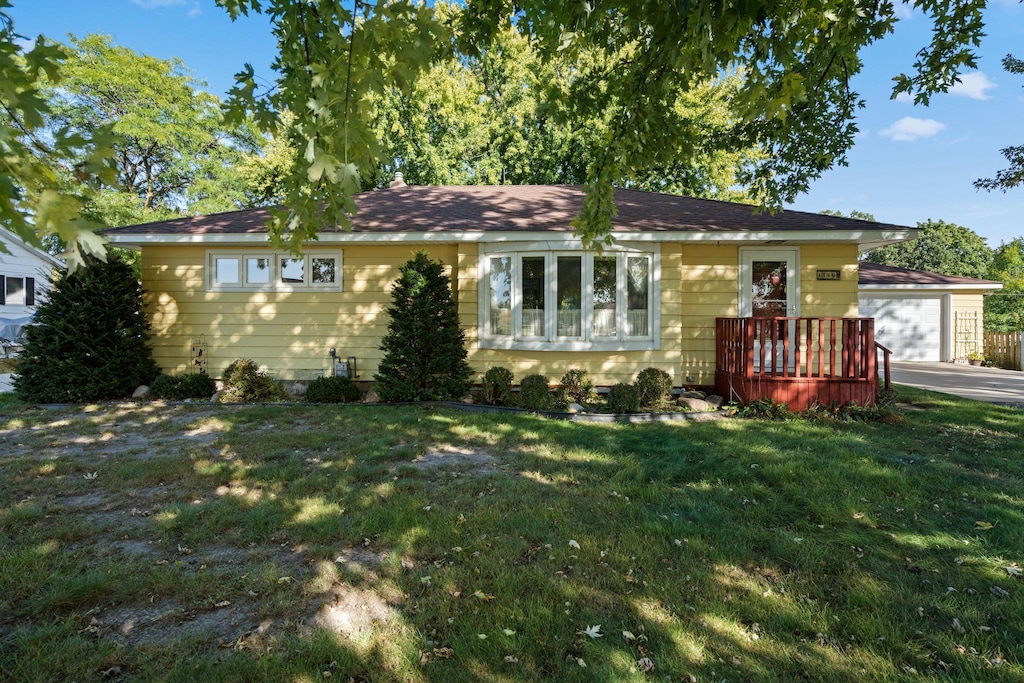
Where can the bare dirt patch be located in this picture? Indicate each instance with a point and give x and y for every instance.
(478, 462)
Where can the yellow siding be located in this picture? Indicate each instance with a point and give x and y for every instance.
(289, 333)
(710, 289)
(828, 298)
(968, 323)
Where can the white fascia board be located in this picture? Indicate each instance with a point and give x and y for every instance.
(746, 237)
(911, 287)
(8, 236)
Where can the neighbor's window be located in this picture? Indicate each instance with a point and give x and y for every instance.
(17, 290)
(229, 271)
(550, 300)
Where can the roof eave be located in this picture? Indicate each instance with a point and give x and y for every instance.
(871, 238)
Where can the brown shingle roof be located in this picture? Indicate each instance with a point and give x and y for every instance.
(878, 274)
(473, 208)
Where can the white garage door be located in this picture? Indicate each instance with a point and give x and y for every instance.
(910, 326)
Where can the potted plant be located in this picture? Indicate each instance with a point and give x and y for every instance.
(975, 358)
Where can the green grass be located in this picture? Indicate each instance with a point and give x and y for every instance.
(729, 550)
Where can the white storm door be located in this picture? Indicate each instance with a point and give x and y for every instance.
(770, 288)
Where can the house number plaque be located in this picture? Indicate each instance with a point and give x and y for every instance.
(828, 274)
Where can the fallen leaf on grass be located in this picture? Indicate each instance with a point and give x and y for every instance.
(628, 636)
(90, 475)
(579, 660)
(983, 526)
(511, 660)
(1003, 593)
(574, 544)
(285, 579)
(1013, 570)
(645, 664)
(222, 603)
(482, 636)
(509, 632)
(480, 595)
(593, 631)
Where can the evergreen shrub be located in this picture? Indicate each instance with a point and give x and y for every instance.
(497, 386)
(623, 398)
(195, 385)
(245, 382)
(332, 390)
(653, 386)
(88, 339)
(577, 387)
(535, 394)
(424, 348)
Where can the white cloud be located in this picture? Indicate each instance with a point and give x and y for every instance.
(905, 97)
(195, 11)
(903, 10)
(973, 85)
(909, 129)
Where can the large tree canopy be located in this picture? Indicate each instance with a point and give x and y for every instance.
(486, 120)
(173, 154)
(1004, 308)
(794, 99)
(941, 248)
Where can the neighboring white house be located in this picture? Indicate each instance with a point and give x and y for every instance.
(26, 274)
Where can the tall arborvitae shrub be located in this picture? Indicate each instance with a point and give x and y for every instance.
(88, 339)
(424, 349)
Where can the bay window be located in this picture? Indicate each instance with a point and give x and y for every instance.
(550, 300)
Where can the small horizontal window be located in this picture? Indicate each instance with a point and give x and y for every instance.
(230, 271)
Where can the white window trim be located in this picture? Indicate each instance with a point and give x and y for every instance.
(273, 285)
(587, 342)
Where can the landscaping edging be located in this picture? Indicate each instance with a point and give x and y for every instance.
(631, 418)
(595, 418)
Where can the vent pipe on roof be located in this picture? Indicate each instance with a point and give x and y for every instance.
(399, 181)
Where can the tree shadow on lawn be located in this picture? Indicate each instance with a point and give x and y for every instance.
(418, 544)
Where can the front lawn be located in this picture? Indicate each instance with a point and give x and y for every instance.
(300, 543)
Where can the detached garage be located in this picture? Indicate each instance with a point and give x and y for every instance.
(924, 316)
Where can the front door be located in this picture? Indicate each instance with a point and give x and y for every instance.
(770, 288)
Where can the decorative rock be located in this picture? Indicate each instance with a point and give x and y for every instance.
(715, 400)
(371, 397)
(295, 389)
(216, 396)
(468, 399)
(142, 391)
(692, 394)
(574, 408)
(697, 405)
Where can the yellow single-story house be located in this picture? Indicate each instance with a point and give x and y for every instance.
(530, 298)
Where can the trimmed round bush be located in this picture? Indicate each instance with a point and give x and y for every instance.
(535, 394)
(577, 387)
(196, 385)
(497, 386)
(653, 386)
(332, 390)
(624, 398)
(243, 381)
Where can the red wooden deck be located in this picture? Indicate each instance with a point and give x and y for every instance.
(798, 361)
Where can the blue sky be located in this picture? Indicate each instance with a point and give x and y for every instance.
(909, 164)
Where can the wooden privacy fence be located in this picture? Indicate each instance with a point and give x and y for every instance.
(1003, 349)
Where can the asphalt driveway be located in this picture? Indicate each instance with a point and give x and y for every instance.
(982, 384)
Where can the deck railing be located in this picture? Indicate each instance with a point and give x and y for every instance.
(841, 348)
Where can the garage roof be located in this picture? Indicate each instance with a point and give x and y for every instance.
(878, 276)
